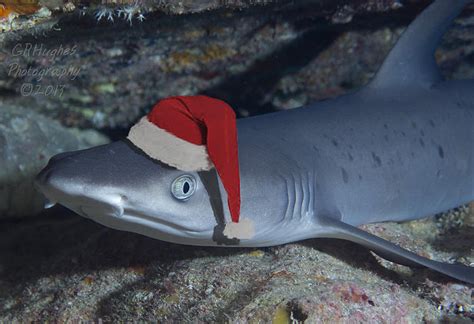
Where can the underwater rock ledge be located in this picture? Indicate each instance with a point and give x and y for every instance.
(259, 59)
(27, 141)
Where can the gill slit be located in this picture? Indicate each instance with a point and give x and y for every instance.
(304, 200)
(298, 198)
(311, 191)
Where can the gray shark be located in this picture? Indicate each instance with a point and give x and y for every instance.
(399, 149)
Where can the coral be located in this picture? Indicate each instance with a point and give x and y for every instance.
(127, 13)
(105, 12)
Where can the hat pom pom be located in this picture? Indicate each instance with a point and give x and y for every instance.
(244, 229)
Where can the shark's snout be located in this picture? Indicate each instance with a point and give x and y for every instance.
(52, 177)
(43, 178)
(46, 176)
(62, 181)
(40, 184)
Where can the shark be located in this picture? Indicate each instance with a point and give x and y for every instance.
(398, 149)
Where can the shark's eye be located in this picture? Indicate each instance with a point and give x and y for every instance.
(183, 187)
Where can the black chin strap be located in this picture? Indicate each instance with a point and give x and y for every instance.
(211, 183)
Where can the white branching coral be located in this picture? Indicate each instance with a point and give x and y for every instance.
(104, 12)
(127, 13)
(131, 11)
(141, 17)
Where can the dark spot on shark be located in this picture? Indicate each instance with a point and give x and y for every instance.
(385, 126)
(283, 139)
(460, 104)
(345, 176)
(440, 152)
(334, 142)
(432, 123)
(413, 124)
(412, 154)
(422, 133)
(399, 158)
(438, 174)
(386, 138)
(360, 176)
(315, 149)
(350, 146)
(377, 160)
(403, 134)
(422, 143)
(351, 158)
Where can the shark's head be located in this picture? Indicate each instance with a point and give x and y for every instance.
(118, 186)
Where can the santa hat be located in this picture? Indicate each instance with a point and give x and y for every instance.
(196, 133)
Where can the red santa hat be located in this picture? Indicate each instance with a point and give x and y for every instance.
(196, 133)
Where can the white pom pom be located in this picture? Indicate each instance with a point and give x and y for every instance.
(244, 229)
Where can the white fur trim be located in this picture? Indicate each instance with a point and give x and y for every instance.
(168, 148)
(244, 229)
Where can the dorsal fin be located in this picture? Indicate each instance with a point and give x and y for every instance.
(411, 61)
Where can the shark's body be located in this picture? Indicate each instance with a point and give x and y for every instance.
(401, 148)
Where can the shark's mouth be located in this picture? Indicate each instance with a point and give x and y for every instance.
(103, 210)
(118, 217)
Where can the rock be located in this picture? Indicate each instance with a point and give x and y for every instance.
(62, 267)
(27, 141)
(259, 59)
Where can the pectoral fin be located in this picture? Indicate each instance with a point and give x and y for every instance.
(393, 252)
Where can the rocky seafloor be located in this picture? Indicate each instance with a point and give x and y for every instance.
(63, 267)
(95, 77)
